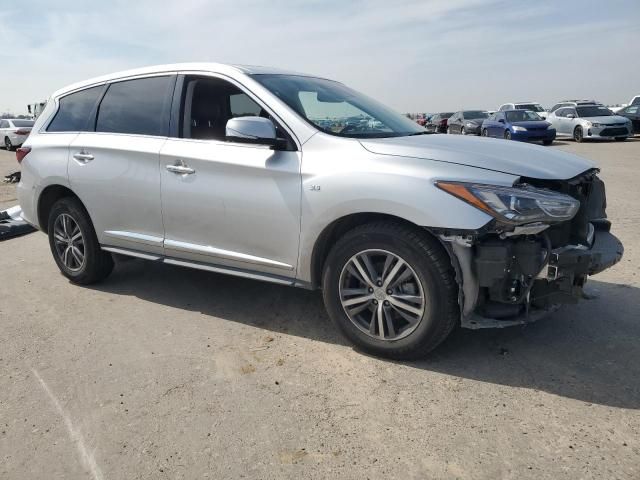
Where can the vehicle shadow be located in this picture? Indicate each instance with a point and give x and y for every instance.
(589, 352)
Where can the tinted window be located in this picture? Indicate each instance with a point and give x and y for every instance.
(471, 114)
(23, 123)
(594, 111)
(136, 107)
(4, 124)
(522, 116)
(74, 110)
(243, 106)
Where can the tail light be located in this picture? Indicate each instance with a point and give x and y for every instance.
(443, 121)
(22, 132)
(21, 153)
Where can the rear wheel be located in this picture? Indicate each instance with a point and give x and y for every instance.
(391, 290)
(74, 244)
(7, 143)
(507, 135)
(578, 135)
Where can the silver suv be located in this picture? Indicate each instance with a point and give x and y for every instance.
(301, 181)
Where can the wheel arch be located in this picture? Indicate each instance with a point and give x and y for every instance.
(48, 197)
(336, 229)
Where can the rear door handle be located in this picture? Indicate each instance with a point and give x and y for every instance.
(180, 169)
(83, 157)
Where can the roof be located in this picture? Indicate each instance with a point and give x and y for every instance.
(222, 68)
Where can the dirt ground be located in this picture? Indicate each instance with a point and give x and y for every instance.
(162, 372)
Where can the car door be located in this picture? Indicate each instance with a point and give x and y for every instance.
(497, 128)
(569, 121)
(114, 168)
(236, 205)
(559, 121)
(4, 126)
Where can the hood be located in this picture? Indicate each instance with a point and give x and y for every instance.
(476, 121)
(532, 124)
(607, 119)
(514, 158)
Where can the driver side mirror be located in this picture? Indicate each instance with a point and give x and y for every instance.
(256, 130)
(571, 115)
(501, 120)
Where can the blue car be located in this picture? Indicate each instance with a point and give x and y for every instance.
(523, 125)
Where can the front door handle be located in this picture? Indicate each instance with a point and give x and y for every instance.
(83, 157)
(180, 169)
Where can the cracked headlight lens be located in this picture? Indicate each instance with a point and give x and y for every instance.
(515, 205)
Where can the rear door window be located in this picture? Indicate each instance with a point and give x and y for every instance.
(139, 107)
(74, 111)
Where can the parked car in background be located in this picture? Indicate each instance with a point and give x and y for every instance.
(520, 125)
(14, 131)
(532, 106)
(590, 122)
(634, 101)
(466, 122)
(221, 168)
(632, 112)
(438, 122)
(573, 103)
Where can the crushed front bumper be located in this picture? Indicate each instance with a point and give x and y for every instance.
(561, 282)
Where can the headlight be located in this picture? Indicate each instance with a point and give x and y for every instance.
(470, 125)
(519, 129)
(515, 205)
(594, 124)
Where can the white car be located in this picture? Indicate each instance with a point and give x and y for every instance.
(590, 121)
(531, 106)
(223, 168)
(13, 132)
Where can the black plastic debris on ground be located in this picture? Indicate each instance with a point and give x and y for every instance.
(12, 178)
(12, 225)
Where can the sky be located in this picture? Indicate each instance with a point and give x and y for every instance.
(413, 55)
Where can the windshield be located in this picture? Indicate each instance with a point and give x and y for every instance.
(471, 114)
(23, 123)
(594, 112)
(336, 109)
(534, 107)
(522, 116)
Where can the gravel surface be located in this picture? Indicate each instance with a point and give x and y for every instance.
(162, 372)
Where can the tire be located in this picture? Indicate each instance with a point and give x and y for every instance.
(462, 132)
(67, 220)
(620, 139)
(427, 274)
(507, 135)
(448, 130)
(485, 133)
(7, 144)
(578, 135)
(547, 142)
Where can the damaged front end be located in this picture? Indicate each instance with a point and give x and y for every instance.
(515, 271)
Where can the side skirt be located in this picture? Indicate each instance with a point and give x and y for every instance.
(207, 266)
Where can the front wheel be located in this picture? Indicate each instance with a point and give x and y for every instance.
(74, 244)
(507, 135)
(391, 290)
(578, 136)
(485, 133)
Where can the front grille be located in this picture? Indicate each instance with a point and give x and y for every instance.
(612, 132)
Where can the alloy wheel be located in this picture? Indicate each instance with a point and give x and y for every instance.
(381, 294)
(7, 143)
(69, 242)
(577, 134)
